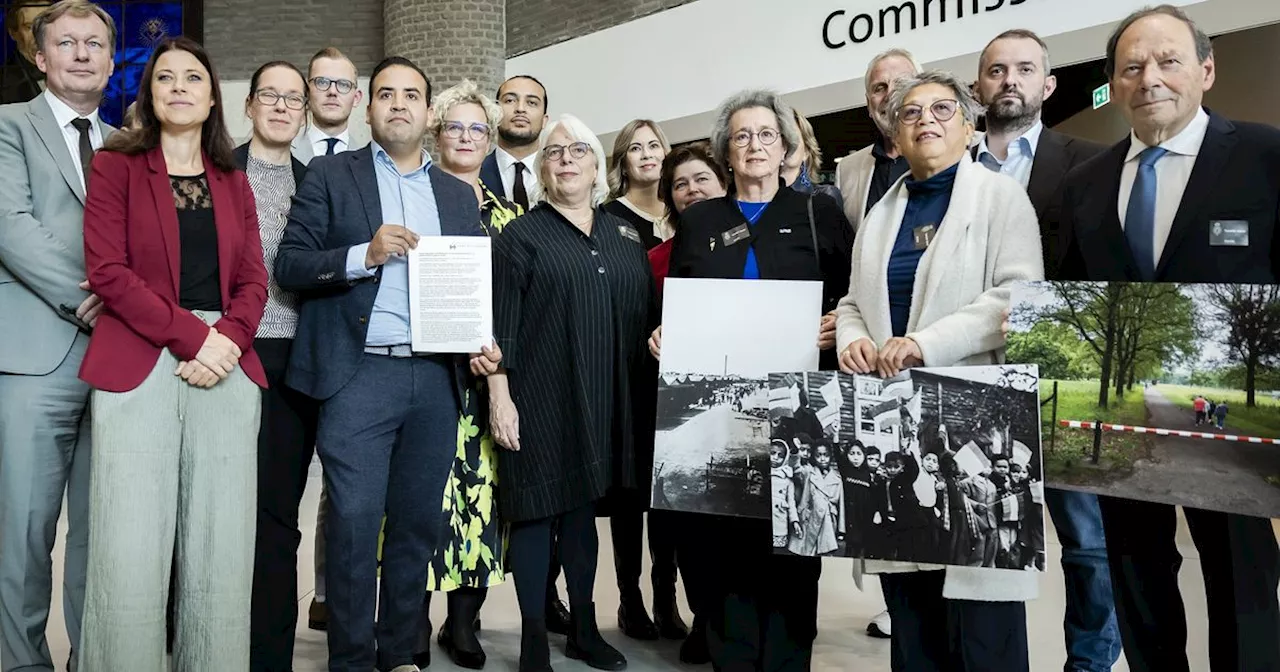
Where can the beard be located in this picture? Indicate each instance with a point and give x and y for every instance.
(1004, 113)
(518, 138)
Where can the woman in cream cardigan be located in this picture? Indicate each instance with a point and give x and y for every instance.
(932, 267)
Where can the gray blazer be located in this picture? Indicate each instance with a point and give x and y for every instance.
(41, 239)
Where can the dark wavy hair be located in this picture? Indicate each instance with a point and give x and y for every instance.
(214, 138)
(678, 156)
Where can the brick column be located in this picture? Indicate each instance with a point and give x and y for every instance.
(449, 39)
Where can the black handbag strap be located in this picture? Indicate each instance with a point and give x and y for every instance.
(813, 233)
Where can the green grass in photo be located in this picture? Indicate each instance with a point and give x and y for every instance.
(1067, 460)
(1262, 420)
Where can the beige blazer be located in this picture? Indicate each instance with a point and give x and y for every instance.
(988, 240)
(853, 177)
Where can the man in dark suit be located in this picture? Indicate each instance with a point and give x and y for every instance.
(1014, 80)
(1146, 210)
(524, 112)
(388, 418)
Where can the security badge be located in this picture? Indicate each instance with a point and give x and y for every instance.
(1229, 233)
(921, 236)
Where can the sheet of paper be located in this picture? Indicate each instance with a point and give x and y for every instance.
(451, 294)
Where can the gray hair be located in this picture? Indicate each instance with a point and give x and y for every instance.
(1204, 47)
(578, 132)
(968, 105)
(465, 92)
(890, 53)
(769, 100)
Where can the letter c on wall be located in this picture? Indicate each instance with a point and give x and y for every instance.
(826, 30)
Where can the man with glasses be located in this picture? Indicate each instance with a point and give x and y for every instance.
(333, 92)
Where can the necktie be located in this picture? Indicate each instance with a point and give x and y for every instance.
(1140, 217)
(83, 125)
(518, 193)
(332, 143)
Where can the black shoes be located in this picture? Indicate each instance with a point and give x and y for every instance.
(462, 646)
(694, 650)
(535, 650)
(633, 619)
(556, 618)
(318, 616)
(586, 644)
(666, 615)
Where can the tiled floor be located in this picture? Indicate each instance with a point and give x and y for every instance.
(842, 644)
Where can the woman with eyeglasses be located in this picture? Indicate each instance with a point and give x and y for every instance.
(470, 557)
(276, 105)
(573, 300)
(762, 229)
(932, 268)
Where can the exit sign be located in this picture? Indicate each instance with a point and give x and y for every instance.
(1101, 96)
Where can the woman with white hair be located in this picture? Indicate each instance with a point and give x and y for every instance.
(932, 269)
(573, 300)
(762, 229)
(470, 557)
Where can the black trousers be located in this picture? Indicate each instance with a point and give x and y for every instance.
(934, 634)
(1241, 567)
(529, 558)
(627, 528)
(286, 443)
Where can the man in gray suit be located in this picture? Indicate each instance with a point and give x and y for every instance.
(45, 148)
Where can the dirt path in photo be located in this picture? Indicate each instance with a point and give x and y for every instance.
(1205, 473)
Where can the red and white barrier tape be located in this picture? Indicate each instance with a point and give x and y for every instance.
(1076, 424)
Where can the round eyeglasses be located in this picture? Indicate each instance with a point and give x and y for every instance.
(577, 150)
(270, 98)
(942, 110)
(767, 136)
(454, 130)
(323, 83)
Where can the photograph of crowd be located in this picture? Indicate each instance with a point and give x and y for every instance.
(938, 466)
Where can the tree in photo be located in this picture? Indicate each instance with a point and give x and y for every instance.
(1252, 314)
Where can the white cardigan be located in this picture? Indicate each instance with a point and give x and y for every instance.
(989, 239)
(853, 176)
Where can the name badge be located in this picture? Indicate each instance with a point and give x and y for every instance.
(736, 235)
(921, 236)
(628, 232)
(1229, 233)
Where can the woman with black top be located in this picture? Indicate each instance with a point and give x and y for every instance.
(755, 623)
(635, 167)
(573, 297)
(172, 247)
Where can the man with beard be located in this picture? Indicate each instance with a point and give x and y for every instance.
(332, 92)
(866, 175)
(1013, 82)
(509, 170)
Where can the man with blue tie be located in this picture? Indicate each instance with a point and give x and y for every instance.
(1145, 210)
(388, 417)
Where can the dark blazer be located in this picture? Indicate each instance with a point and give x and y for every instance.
(1056, 155)
(299, 168)
(492, 176)
(336, 207)
(131, 253)
(1236, 177)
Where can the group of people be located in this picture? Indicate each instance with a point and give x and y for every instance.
(1210, 412)
(186, 322)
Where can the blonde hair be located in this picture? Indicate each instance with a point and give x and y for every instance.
(808, 140)
(578, 132)
(619, 181)
(80, 9)
(465, 92)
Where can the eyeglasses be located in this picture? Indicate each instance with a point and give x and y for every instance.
(577, 150)
(767, 136)
(942, 110)
(270, 98)
(323, 83)
(455, 129)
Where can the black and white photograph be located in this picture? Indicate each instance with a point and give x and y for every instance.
(939, 466)
(721, 339)
(1157, 392)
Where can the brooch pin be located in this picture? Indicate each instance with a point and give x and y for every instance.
(713, 244)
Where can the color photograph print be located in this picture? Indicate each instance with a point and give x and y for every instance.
(938, 466)
(1157, 392)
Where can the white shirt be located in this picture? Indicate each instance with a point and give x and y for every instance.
(507, 166)
(319, 146)
(1173, 170)
(1022, 154)
(64, 115)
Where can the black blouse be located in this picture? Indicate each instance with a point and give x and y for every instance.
(642, 226)
(572, 314)
(198, 287)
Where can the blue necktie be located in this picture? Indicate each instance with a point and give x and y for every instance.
(1140, 217)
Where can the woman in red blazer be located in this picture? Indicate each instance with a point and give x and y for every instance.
(172, 248)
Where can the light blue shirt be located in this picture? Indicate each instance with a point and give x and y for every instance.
(1022, 153)
(408, 200)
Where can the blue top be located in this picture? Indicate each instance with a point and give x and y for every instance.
(408, 200)
(752, 211)
(927, 203)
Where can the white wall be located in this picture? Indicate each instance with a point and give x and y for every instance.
(234, 92)
(676, 66)
(1245, 88)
